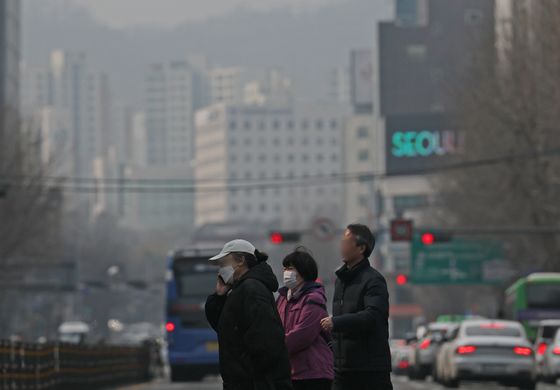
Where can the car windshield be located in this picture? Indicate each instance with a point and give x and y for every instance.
(492, 330)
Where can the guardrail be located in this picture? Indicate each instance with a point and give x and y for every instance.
(59, 366)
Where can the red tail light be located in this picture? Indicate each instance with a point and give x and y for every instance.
(556, 351)
(466, 349)
(170, 327)
(541, 349)
(403, 364)
(523, 351)
(425, 344)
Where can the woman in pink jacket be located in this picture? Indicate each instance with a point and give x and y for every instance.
(302, 305)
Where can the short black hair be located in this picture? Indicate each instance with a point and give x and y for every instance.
(303, 262)
(364, 237)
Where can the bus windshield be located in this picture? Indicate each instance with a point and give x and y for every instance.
(543, 296)
(195, 284)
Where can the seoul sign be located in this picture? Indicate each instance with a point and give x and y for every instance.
(417, 142)
(426, 143)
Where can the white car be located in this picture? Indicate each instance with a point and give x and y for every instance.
(487, 350)
(550, 368)
(545, 337)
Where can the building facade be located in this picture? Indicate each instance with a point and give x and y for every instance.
(10, 15)
(269, 164)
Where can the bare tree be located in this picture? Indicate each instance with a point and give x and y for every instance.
(507, 105)
(29, 204)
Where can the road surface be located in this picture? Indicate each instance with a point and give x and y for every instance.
(400, 383)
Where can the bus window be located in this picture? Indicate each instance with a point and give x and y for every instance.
(543, 296)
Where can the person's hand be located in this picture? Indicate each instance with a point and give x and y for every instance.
(221, 288)
(327, 324)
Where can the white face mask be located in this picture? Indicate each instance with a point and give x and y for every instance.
(290, 279)
(226, 273)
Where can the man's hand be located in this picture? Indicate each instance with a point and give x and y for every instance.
(327, 324)
(221, 288)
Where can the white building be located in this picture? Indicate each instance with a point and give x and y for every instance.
(269, 164)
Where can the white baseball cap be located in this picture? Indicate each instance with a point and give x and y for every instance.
(235, 246)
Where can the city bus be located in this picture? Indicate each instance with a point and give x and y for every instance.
(192, 343)
(532, 299)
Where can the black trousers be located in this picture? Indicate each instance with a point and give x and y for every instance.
(313, 384)
(363, 381)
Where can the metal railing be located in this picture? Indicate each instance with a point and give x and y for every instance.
(61, 366)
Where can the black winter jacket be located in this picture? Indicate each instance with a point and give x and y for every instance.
(361, 320)
(253, 353)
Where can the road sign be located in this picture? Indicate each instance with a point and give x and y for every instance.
(461, 261)
(324, 229)
(401, 230)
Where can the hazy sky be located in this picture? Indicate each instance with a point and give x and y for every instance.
(127, 13)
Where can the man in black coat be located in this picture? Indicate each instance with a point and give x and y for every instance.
(253, 353)
(360, 321)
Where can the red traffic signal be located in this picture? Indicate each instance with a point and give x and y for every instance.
(428, 238)
(278, 238)
(401, 279)
(435, 237)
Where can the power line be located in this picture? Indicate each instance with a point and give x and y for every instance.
(124, 185)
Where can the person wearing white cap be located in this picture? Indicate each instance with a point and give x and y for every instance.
(253, 353)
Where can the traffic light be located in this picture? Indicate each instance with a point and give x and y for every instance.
(401, 279)
(428, 238)
(278, 238)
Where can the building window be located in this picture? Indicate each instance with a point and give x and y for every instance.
(320, 158)
(305, 141)
(248, 207)
(262, 126)
(363, 132)
(276, 124)
(263, 207)
(334, 158)
(247, 125)
(319, 141)
(334, 124)
(305, 125)
(290, 125)
(473, 17)
(290, 141)
(248, 158)
(416, 52)
(290, 157)
(233, 208)
(232, 125)
(319, 124)
(363, 155)
(233, 158)
(276, 142)
(404, 202)
(262, 158)
(363, 200)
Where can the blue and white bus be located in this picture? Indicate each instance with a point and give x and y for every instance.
(192, 343)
